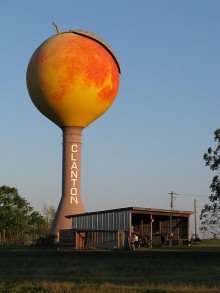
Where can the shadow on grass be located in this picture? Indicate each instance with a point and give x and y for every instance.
(186, 269)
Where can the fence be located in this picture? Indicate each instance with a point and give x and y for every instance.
(17, 239)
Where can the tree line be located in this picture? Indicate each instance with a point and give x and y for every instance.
(210, 214)
(19, 222)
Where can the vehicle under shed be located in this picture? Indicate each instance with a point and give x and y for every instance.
(130, 227)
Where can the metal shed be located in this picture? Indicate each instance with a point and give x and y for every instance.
(127, 227)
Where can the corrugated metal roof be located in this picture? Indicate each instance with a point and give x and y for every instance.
(162, 210)
(136, 209)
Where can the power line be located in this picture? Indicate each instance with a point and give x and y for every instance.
(200, 195)
(173, 194)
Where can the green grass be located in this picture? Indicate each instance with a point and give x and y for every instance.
(180, 270)
(209, 243)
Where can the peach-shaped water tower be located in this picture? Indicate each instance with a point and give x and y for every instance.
(72, 79)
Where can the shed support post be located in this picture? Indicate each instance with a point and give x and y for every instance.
(188, 228)
(142, 227)
(171, 230)
(151, 230)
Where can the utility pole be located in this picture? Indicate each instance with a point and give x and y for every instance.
(195, 217)
(172, 199)
(171, 218)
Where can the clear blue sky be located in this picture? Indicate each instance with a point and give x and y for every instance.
(152, 140)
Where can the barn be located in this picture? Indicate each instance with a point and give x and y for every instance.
(129, 227)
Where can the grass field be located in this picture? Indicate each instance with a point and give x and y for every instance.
(162, 270)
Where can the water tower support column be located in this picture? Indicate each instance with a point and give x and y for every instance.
(70, 202)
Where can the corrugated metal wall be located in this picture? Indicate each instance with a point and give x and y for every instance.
(107, 220)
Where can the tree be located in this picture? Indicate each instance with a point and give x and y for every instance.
(37, 224)
(49, 214)
(17, 217)
(210, 214)
(14, 211)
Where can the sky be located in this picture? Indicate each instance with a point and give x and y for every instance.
(152, 139)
